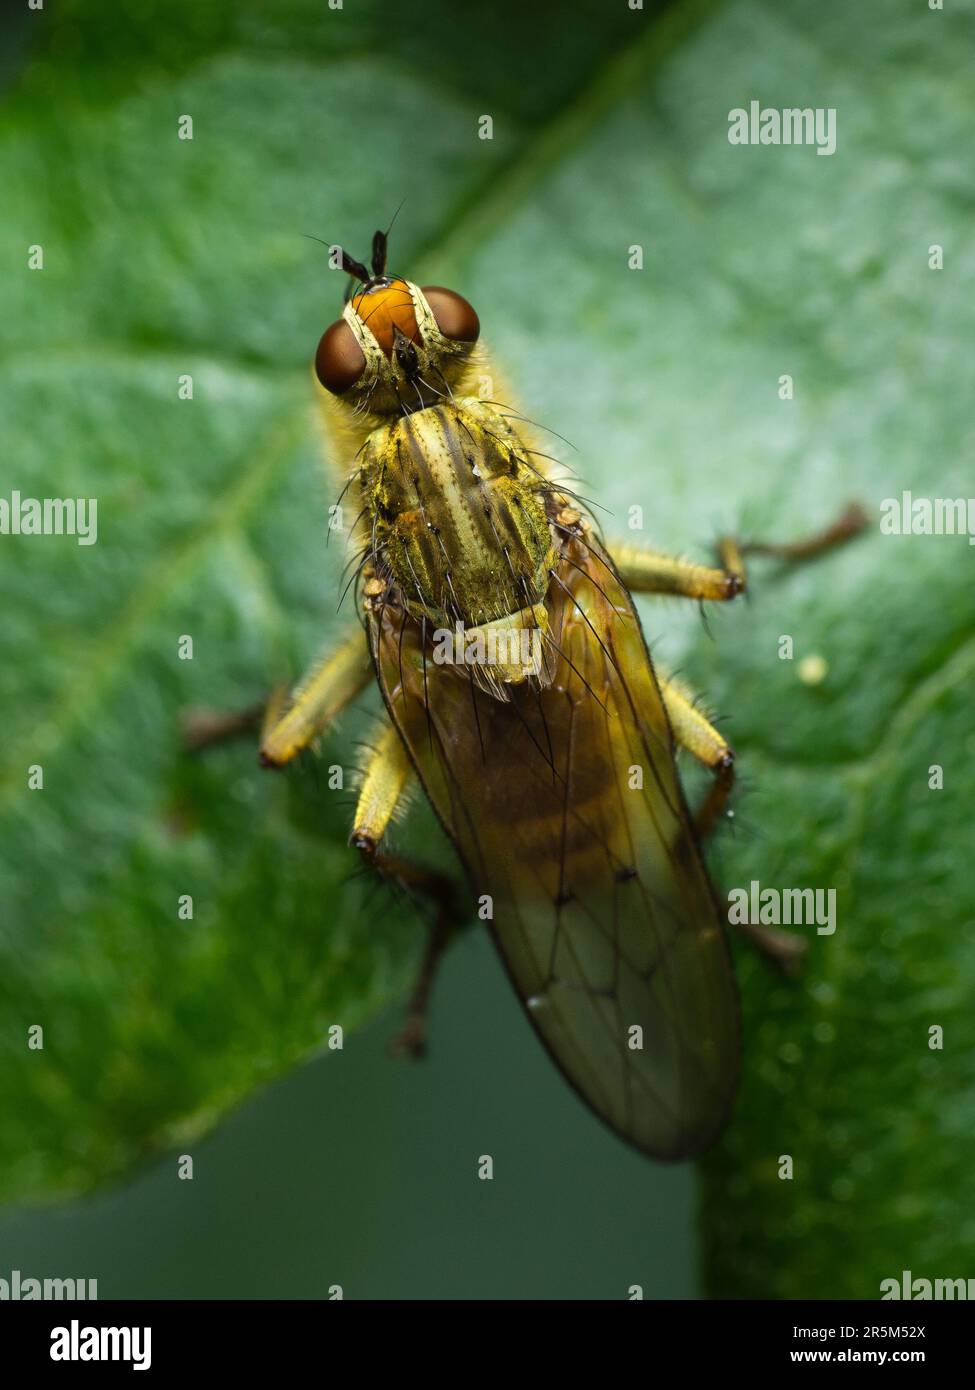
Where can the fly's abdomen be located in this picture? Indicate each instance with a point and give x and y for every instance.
(456, 514)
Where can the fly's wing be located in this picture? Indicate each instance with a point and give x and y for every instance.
(565, 806)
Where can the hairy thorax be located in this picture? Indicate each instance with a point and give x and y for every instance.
(457, 516)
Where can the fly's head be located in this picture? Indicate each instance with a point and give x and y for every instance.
(397, 348)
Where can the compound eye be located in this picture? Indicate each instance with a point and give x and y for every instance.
(455, 317)
(339, 361)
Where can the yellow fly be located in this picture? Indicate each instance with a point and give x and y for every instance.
(519, 690)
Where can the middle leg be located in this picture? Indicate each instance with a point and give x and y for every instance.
(387, 773)
(702, 740)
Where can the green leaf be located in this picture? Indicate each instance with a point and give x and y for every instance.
(164, 257)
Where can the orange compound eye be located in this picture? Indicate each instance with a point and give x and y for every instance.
(339, 361)
(383, 309)
(455, 317)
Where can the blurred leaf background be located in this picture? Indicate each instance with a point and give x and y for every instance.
(164, 257)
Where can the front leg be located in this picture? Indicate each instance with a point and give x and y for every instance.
(289, 723)
(653, 572)
(318, 699)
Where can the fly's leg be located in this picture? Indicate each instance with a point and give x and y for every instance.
(387, 773)
(702, 740)
(652, 572)
(287, 725)
(322, 695)
(202, 728)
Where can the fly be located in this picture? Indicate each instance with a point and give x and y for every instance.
(519, 691)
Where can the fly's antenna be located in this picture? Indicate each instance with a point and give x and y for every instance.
(349, 264)
(379, 254)
(380, 242)
(354, 267)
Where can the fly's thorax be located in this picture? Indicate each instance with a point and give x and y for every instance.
(456, 516)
